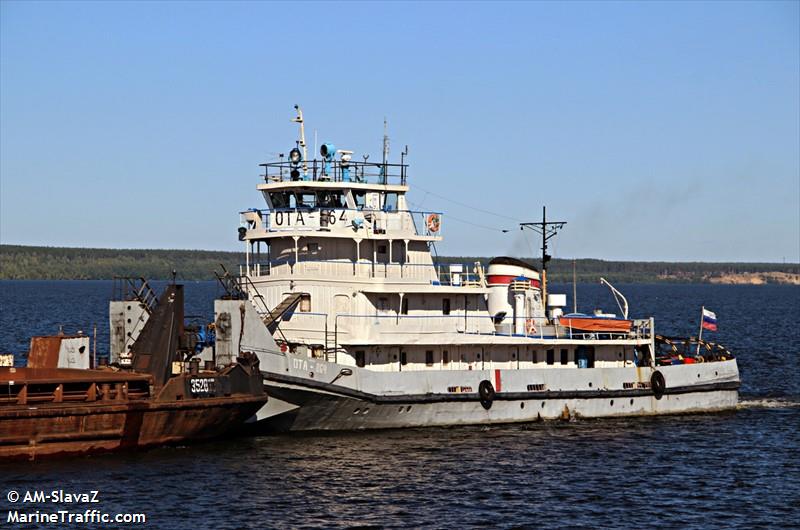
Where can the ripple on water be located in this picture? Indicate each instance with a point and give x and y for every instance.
(737, 469)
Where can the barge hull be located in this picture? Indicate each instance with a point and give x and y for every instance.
(30, 432)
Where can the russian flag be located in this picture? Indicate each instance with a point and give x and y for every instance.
(709, 320)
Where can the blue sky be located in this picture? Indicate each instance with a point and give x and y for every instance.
(659, 131)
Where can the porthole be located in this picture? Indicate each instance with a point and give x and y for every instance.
(716, 373)
(401, 410)
(365, 411)
(408, 408)
(612, 402)
(129, 321)
(356, 411)
(631, 401)
(522, 405)
(129, 308)
(698, 376)
(590, 385)
(542, 404)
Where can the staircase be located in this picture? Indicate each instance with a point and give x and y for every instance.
(273, 318)
(135, 289)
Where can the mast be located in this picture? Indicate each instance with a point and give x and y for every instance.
(574, 288)
(547, 229)
(299, 119)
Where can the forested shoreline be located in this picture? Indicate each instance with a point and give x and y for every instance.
(60, 263)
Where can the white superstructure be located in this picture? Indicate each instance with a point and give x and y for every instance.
(372, 332)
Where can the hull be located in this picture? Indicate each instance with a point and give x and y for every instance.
(300, 403)
(70, 430)
(337, 413)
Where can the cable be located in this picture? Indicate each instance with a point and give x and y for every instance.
(493, 229)
(466, 205)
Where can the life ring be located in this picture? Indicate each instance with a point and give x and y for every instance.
(658, 384)
(486, 393)
(433, 222)
(530, 326)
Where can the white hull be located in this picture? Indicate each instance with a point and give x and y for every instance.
(300, 403)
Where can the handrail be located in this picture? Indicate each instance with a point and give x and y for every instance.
(335, 171)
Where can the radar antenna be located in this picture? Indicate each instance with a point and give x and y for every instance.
(299, 119)
(547, 229)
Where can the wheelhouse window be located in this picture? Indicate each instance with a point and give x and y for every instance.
(564, 356)
(404, 306)
(446, 306)
(429, 358)
(403, 358)
(390, 202)
(445, 357)
(361, 199)
(280, 199)
(360, 358)
(551, 354)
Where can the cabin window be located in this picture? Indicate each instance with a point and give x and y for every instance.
(390, 202)
(305, 303)
(429, 358)
(306, 200)
(445, 357)
(381, 249)
(361, 200)
(331, 199)
(564, 356)
(360, 358)
(446, 306)
(404, 306)
(551, 356)
(280, 199)
(313, 247)
(403, 358)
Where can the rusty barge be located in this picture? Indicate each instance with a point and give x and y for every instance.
(165, 397)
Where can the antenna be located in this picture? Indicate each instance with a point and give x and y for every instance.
(385, 151)
(547, 229)
(299, 119)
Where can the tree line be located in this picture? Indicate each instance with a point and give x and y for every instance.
(59, 263)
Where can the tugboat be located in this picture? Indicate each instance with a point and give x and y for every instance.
(357, 327)
(51, 407)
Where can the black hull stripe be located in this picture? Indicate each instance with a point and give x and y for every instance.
(411, 399)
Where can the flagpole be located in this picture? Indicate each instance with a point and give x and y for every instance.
(700, 336)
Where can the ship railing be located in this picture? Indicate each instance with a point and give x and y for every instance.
(339, 268)
(457, 274)
(469, 324)
(336, 171)
(313, 217)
